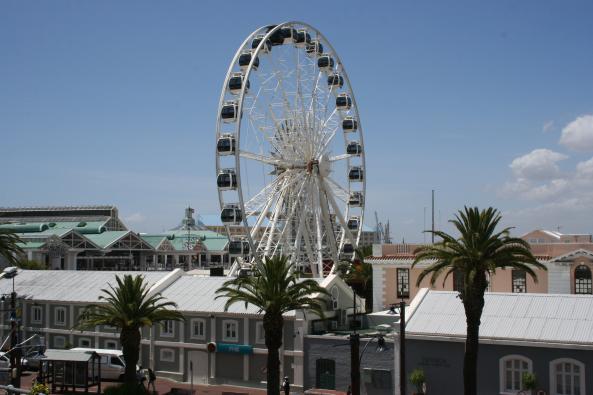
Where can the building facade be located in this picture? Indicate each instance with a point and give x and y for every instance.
(569, 270)
(548, 335)
(50, 302)
(95, 238)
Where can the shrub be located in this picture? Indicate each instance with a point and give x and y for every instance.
(529, 381)
(417, 378)
(39, 388)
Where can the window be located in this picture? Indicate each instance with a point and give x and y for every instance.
(116, 361)
(511, 372)
(458, 281)
(567, 377)
(60, 316)
(519, 281)
(230, 331)
(59, 342)
(167, 355)
(582, 280)
(36, 312)
(84, 342)
(198, 328)
(403, 283)
(111, 344)
(260, 333)
(167, 328)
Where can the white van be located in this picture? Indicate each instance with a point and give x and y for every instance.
(112, 362)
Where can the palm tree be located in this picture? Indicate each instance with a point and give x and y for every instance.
(9, 248)
(478, 251)
(129, 307)
(275, 289)
(358, 272)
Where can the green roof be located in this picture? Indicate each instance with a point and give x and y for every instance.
(211, 240)
(31, 245)
(153, 240)
(85, 227)
(106, 238)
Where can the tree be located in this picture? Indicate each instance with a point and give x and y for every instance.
(9, 248)
(479, 250)
(275, 289)
(129, 307)
(359, 273)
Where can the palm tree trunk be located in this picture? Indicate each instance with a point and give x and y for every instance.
(474, 304)
(130, 341)
(273, 324)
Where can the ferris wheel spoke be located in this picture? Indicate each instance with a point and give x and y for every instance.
(338, 214)
(340, 192)
(340, 157)
(283, 234)
(329, 229)
(252, 206)
(327, 139)
(261, 158)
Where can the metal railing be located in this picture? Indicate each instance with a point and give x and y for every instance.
(12, 390)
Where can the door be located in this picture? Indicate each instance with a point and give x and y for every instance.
(325, 372)
(199, 361)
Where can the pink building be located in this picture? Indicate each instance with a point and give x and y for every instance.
(568, 258)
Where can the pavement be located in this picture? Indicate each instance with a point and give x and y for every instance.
(166, 386)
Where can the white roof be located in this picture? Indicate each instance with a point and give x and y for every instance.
(508, 317)
(198, 294)
(67, 285)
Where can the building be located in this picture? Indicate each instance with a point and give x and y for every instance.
(549, 335)
(50, 302)
(569, 264)
(327, 363)
(95, 238)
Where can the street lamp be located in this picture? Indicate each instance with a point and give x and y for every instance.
(15, 356)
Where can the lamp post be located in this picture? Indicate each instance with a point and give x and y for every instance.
(354, 351)
(15, 355)
(402, 343)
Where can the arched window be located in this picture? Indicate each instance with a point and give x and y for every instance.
(511, 372)
(567, 377)
(582, 280)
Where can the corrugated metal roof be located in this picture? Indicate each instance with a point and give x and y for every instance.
(67, 285)
(198, 294)
(550, 318)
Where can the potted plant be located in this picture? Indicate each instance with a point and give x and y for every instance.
(418, 379)
(529, 382)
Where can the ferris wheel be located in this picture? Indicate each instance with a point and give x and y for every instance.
(290, 158)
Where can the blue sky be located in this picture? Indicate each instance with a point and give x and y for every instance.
(489, 103)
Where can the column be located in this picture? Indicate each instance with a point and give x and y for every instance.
(246, 357)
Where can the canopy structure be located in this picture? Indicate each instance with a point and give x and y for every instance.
(67, 370)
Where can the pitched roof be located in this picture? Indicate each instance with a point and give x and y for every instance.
(507, 317)
(105, 239)
(67, 285)
(198, 294)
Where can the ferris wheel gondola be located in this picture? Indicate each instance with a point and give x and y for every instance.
(290, 159)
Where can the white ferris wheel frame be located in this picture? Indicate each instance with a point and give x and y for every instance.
(324, 185)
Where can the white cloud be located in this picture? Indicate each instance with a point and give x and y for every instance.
(578, 135)
(539, 164)
(548, 126)
(135, 218)
(585, 170)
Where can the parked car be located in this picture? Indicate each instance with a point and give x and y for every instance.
(112, 362)
(5, 360)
